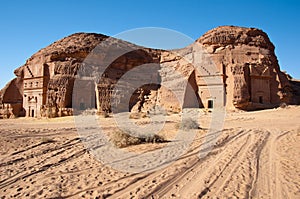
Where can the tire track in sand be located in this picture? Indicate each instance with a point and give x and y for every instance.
(172, 176)
(215, 178)
(274, 180)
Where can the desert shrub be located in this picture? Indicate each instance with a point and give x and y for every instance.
(283, 105)
(47, 140)
(103, 114)
(123, 139)
(157, 110)
(89, 112)
(154, 138)
(188, 124)
(137, 115)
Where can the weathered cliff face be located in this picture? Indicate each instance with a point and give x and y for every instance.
(247, 58)
(231, 66)
(49, 74)
(244, 72)
(295, 89)
(11, 98)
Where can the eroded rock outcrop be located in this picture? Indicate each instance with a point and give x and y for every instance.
(253, 77)
(231, 66)
(48, 75)
(11, 99)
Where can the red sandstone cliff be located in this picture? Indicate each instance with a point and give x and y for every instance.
(245, 69)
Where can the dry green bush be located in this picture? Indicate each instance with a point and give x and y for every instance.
(123, 139)
(103, 114)
(188, 124)
(47, 140)
(137, 115)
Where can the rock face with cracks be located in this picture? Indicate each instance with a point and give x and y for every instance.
(228, 66)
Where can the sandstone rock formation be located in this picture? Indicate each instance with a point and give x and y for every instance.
(238, 69)
(11, 98)
(250, 66)
(295, 89)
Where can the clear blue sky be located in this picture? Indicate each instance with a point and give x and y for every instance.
(27, 26)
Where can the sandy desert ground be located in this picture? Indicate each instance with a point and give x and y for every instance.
(257, 155)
